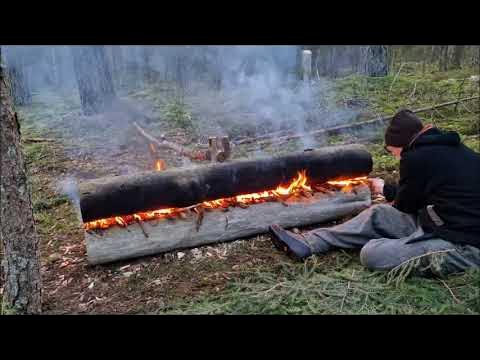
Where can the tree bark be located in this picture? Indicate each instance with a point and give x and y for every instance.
(377, 61)
(94, 78)
(125, 195)
(21, 265)
(443, 58)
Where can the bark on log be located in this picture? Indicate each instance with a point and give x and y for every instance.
(118, 243)
(123, 195)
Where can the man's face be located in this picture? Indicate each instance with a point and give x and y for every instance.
(395, 151)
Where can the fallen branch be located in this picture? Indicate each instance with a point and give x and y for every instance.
(182, 151)
(341, 128)
(37, 140)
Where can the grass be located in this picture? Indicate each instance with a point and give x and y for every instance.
(343, 287)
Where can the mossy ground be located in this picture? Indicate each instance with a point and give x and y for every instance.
(245, 277)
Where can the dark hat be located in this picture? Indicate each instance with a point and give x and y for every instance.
(402, 129)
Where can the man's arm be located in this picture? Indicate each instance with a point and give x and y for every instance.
(390, 191)
(410, 194)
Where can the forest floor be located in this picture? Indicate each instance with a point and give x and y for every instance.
(242, 277)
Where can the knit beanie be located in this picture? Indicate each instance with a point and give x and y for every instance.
(402, 129)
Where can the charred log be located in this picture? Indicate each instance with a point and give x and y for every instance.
(123, 195)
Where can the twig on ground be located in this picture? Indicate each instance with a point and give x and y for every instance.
(450, 290)
(37, 140)
(346, 292)
(413, 92)
(466, 108)
(460, 92)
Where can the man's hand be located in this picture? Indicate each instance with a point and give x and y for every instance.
(376, 185)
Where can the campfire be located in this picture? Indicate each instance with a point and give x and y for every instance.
(167, 209)
(297, 187)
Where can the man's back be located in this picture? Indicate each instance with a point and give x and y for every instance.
(446, 174)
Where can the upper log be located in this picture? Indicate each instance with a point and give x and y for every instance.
(147, 191)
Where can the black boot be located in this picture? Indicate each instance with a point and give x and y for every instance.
(291, 243)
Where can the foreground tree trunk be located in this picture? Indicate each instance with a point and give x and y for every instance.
(377, 60)
(94, 78)
(21, 265)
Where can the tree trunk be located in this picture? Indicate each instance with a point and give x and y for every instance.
(443, 58)
(20, 86)
(21, 265)
(126, 195)
(94, 78)
(434, 53)
(377, 61)
(457, 60)
(146, 54)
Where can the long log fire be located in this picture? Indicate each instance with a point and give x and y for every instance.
(148, 213)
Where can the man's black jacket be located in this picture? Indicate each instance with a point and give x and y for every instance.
(437, 169)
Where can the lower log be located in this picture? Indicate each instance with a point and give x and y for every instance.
(124, 195)
(154, 237)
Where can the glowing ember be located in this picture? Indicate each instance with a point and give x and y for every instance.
(354, 181)
(298, 186)
(347, 185)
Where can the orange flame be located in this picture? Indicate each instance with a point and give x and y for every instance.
(160, 165)
(347, 185)
(297, 186)
(354, 181)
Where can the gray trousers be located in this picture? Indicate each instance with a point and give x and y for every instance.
(382, 233)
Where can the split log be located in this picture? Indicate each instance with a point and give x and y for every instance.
(219, 149)
(116, 243)
(128, 194)
(347, 127)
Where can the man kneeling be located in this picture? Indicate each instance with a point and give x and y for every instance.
(434, 219)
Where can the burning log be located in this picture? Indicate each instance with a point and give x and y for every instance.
(114, 243)
(176, 188)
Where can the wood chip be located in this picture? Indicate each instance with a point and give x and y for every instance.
(200, 213)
